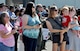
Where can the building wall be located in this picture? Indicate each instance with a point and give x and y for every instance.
(3, 1)
(17, 1)
(59, 3)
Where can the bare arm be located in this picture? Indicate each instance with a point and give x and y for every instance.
(25, 21)
(6, 35)
(71, 26)
(51, 29)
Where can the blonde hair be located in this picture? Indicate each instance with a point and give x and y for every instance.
(51, 10)
(64, 8)
(6, 13)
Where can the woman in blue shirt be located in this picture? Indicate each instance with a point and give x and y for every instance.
(31, 25)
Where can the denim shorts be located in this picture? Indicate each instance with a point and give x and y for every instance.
(56, 38)
(5, 48)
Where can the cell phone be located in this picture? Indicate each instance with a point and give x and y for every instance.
(39, 24)
(13, 28)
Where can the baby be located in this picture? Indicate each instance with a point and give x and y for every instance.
(76, 29)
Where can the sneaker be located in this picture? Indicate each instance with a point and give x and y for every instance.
(44, 48)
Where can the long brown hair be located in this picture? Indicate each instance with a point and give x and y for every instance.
(28, 9)
(2, 16)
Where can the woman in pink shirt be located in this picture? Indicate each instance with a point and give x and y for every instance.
(6, 33)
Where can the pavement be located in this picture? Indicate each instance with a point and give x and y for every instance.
(48, 46)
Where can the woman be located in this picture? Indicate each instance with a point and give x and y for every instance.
(54, 26)
(6, 35)
(75, 29)
(18, 35)
(31, 25)
(19, 20)
(16, 23)
(73, 39)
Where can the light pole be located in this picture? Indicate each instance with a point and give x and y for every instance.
(9, 2)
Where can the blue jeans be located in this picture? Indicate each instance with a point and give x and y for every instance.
(29, 43)
(5, 48)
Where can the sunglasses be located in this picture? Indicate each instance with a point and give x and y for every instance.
(40, 7)
(33, 7)
(75, 18)
(55, 10)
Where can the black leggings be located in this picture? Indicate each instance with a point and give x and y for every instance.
(29, 43)
(16, 39)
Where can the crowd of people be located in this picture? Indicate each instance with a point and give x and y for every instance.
(35, 24)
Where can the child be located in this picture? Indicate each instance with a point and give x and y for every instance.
(61, 35)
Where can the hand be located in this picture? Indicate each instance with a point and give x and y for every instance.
(16, 27)
(13, 31)
(36, 26)
(63, 31)
(20, 28)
